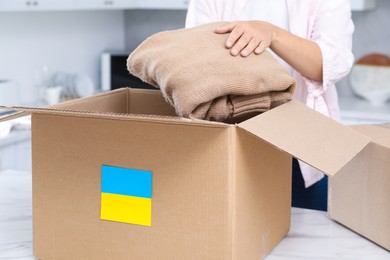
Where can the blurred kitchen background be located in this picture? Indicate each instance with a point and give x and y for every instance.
(76, 46)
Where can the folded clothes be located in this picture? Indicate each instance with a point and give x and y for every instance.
(199, 77)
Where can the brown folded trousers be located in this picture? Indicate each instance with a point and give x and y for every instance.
(199, 77)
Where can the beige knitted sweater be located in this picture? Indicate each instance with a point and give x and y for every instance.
(199, 77)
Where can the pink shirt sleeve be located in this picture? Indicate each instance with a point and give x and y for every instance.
(331, 27)
(332, 31)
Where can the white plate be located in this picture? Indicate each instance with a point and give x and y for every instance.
(83, 86)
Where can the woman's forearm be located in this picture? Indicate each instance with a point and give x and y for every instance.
(303, 55)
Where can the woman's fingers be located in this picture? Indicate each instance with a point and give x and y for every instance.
(234, 30)
(235, 35)
(225, 28)
(250, 47)
(246, 37)
(242, 42)
(260, 48)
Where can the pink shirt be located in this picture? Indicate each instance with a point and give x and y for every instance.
(325, 22)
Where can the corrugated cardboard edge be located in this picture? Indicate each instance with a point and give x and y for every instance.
(232, 189)
(13, 115)
(22, 111)
(308, 135)
(64, 109)
(118, 116)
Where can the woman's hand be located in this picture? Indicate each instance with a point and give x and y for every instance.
(248, 37)
(255, 36)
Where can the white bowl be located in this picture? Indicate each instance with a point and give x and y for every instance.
(84, 86)
(371, 83)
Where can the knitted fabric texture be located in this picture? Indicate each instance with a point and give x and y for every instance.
(198, 76)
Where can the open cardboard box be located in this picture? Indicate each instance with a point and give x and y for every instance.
(359, 194)
(217, 191)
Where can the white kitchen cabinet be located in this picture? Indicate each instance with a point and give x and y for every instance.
(67, 5)
(53, 5)
(362, 5)
(106, 4)
(23, 161)
(8, 156)
(167, 4)
(15, 151)
(36, 5)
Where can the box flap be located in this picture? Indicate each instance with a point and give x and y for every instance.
(104, 105)
(12, 115)
(379, 134)
(22, 111)
(73, 104)
(307, 135)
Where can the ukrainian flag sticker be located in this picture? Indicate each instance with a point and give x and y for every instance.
(126, 195)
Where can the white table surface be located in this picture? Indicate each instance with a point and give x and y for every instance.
(312, 235)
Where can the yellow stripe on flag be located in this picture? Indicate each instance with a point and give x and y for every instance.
(128, 209)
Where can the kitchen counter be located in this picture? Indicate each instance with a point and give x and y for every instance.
(312, 235)
(355, 110)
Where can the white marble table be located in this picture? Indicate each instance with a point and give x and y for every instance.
(312, 236)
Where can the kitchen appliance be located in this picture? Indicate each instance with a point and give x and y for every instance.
(114, 73)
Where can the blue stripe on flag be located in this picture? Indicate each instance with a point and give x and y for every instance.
(126, 181)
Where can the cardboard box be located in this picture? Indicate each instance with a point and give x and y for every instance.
(214, 190)
(359, 195)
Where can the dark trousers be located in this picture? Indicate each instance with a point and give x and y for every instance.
(314, 197)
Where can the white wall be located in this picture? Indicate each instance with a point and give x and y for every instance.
(140, 24)
(64, 41)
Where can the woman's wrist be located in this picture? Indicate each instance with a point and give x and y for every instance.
(275, 35)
